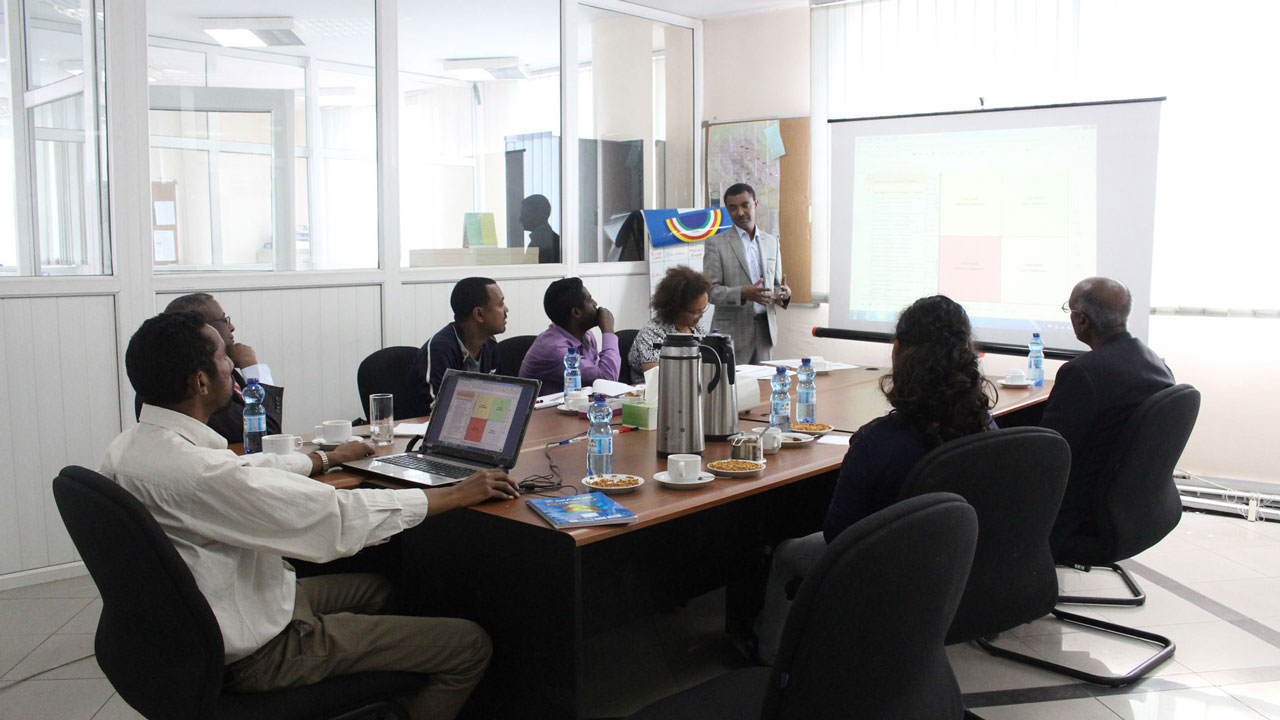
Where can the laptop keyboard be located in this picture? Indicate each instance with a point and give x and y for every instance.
(427, 465)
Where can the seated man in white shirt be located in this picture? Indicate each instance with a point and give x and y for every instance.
(233, 518)
(228, 420)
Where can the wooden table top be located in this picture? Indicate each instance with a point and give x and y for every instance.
(847, 399)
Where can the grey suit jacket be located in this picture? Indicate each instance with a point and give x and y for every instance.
(725, 264)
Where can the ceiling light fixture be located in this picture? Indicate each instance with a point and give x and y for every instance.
(486, 68)
(251, 32)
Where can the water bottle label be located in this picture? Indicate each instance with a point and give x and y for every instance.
(572, 383)
(779, 407)
(600, 446)
(804, 397)
(1035, 363)
(255, 423)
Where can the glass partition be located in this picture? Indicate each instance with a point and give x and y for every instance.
(263, 155)
(479, 132)
(636, 124)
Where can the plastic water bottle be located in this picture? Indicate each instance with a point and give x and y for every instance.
(599, 437)
(806, 393)
(1035, 361)
(255, 416)
(572, 375)
(780, 401)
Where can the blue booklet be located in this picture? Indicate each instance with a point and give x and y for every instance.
(581, 510)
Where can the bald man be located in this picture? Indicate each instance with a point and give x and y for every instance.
(1093, 398)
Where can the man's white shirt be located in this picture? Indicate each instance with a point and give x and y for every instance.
(751, 248)
(233, 517)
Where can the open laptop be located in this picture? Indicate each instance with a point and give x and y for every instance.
(478, 423)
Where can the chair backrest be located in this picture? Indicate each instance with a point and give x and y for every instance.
(511, 352)
(864, 637)
(158, 641)
(387, 371)
(1014, 478)
(1141, 505)
(626, 338)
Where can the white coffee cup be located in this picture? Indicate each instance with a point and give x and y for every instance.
(281, 444)
(576, 400)
(334, 432)
(684, 468)
(1015, 377)
(771, 440)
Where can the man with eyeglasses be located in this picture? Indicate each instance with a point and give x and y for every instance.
(229, 421)
(1093, 398)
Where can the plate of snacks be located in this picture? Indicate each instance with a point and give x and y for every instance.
(735, 468)
(814, 429)
(789, 439)
(615, 484)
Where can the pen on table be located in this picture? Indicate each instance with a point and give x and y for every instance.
(582, 438)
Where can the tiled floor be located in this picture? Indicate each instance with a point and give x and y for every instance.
(1213, 586)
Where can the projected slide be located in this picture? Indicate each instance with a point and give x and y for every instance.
(1003, 221)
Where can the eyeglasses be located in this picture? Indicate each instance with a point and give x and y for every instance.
(224, 319)
(1066, 308)
(697, 314)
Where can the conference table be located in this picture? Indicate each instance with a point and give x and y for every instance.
(538, 591)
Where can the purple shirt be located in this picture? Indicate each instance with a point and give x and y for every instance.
(545, 359)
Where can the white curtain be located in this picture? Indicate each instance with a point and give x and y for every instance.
(1217, 244)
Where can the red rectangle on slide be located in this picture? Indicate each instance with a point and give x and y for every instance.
(475, 430)
(969, 268)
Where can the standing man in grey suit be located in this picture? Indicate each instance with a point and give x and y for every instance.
(744, 266)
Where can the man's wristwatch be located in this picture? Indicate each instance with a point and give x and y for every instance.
(324, 461)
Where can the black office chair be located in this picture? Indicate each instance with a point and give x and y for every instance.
(626, 338)
(387, 371)
(1141, 504)
(864, 637)
(511, 352)
(1014, 478)
(158, 641)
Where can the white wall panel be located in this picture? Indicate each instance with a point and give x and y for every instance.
(59, 407)
(313, 339)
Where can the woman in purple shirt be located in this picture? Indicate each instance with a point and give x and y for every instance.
(938, 394)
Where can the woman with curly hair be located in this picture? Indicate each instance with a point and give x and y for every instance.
(937, 394)
(678, 304)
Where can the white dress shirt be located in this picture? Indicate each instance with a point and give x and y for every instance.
(751, 248)
(233, 517)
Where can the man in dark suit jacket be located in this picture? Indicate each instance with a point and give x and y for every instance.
(229, 421)
(1093, 398)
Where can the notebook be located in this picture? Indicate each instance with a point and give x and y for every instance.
(478, 423)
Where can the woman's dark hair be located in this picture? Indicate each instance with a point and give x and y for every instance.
(676, 292)
(935, 384)
(163, 354)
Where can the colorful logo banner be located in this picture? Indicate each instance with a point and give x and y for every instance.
(672, 227)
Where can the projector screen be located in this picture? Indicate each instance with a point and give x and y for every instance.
(1001, 210)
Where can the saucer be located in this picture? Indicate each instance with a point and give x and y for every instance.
(562, 408)
(1009, 384)
(326, 445)
(664, 479)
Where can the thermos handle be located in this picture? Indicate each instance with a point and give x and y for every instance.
(715, 380)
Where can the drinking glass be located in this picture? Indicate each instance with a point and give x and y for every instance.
(381, 422)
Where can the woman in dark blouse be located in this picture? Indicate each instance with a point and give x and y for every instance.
(937, 394)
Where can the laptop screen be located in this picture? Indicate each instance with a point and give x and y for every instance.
(481, 417)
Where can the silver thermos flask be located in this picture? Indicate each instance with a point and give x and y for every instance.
(720, 405)
(680, 395)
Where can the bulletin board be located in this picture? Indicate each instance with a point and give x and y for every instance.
(772, 156)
